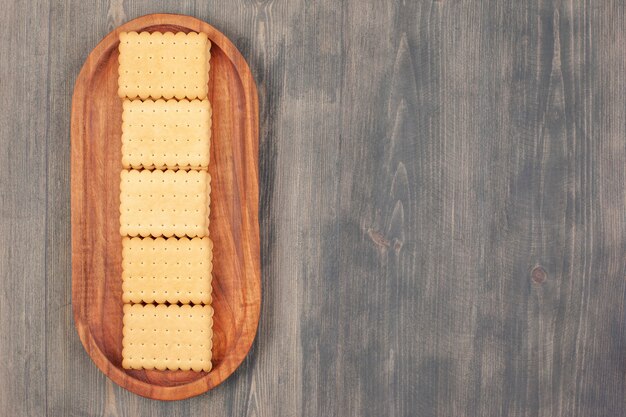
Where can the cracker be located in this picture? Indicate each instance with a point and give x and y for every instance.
(167, 270)
(167, 337)
(163, 65)
(166, 134)
(164, 203)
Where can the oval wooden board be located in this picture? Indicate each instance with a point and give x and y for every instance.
(96, 241)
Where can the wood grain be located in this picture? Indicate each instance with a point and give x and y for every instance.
(418, 161)
(23, 208)
(96, 243)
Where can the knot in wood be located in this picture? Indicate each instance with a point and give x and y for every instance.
(538, 275)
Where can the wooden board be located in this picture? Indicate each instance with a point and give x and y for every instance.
(417, 161)
(96, 241)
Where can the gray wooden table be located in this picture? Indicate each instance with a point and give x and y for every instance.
(442, 208)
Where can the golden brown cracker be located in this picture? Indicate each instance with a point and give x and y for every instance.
(164, 203)
(163, 65)
(166, 134)
(167, 270)
(167, 337)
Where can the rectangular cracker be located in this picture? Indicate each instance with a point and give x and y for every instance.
(163, 65)
(167, 270)
(166, 134)
(164, 203)
(167, 337)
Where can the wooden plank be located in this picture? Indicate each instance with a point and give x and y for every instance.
(590, 324)
(75, 386)
(23, 140)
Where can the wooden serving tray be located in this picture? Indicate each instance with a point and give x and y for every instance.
(234, 227)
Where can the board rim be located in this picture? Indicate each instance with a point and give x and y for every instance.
(251, 263)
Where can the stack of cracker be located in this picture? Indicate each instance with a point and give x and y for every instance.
(164, 201)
